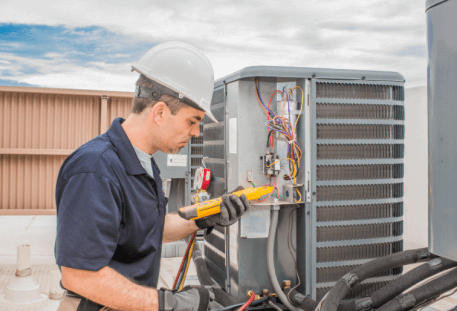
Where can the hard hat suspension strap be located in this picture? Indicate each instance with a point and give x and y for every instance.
(158, 90)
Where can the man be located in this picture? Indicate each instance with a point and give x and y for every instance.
(111, 219)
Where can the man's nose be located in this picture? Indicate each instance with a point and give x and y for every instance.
(195, 131)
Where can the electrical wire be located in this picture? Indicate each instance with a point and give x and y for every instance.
(247, 303)
(259, 99)
(293, 162)
(270, 138)
(275, 187)
(176, 283)
(299, 194)
(319, 306)
(432, 301)
(282, 125)
(274, 306)
(181, 275)
(291, 253)
(189, 258)
(255, 302)
(302, 101)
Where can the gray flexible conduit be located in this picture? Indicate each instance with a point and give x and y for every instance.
(221, 296)
(347, 282)
(423, 293)
(271, 262)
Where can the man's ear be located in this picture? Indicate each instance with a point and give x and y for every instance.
(159, 112)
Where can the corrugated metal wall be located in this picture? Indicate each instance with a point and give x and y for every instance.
(39, 129)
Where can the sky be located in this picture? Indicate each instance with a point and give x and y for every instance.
(87, 44)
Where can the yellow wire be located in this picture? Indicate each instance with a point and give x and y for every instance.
(299, 195)
(302, 101)
(293, 162)
(187, 265)
(281, 160)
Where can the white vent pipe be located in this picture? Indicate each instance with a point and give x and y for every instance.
(24, 255)
(55, 290)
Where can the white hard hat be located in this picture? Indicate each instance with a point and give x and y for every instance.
(183, 69)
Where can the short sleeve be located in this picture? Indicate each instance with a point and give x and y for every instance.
(88, 221)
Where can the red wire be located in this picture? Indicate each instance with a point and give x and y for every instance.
(275, 187)
(247, 303)
(183, 260)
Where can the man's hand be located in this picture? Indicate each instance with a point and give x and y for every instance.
(188, 299)
(232, 207)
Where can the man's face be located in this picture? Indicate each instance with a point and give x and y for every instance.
(180, 128)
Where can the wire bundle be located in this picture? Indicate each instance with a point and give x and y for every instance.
(275, 187)
(281, 124)
(182, 272)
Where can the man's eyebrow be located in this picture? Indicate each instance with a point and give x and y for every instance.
(197, 117)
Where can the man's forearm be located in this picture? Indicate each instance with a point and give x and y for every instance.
(111, 289)
(177, 228)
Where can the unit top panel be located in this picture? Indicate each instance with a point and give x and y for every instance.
(307, 72)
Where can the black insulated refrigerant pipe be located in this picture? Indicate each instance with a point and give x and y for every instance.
(301, 301)
(399, 285)
(347, 282)
(384, 294)
(423, 293)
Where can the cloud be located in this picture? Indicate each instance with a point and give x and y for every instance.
(364, 34)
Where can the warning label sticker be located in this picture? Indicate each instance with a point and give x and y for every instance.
(176, 160)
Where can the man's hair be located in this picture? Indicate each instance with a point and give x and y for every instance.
(139, 104)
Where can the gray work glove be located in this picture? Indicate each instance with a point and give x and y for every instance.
(232, 207)
(190, 298)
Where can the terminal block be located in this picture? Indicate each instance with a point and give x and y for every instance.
(270, 163)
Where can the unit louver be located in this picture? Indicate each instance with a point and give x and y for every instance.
(359, 188)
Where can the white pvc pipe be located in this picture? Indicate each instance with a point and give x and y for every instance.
(24, 267)
(55, 290)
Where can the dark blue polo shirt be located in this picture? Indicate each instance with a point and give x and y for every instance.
(109, 212)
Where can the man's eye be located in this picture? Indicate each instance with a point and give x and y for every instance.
(191, 123)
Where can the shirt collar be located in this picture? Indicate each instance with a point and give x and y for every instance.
(125, 148)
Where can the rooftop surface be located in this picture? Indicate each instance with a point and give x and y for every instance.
(39, 232)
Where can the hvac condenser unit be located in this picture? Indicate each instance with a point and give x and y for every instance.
(348, 180)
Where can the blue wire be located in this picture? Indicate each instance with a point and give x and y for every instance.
(182, 275)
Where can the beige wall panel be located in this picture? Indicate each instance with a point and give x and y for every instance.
(39, 128)
(119, 107)
(27, 182)
(47, 121)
